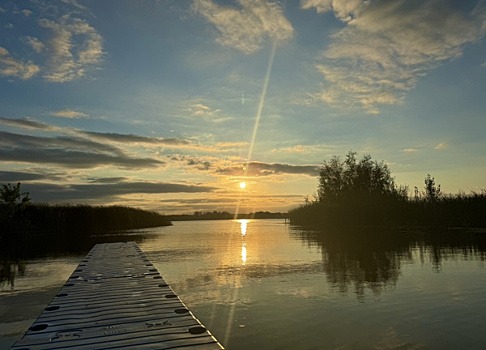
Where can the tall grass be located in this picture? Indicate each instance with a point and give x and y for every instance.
(73, 220)
(462, 211)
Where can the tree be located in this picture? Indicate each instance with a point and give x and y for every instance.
(11, 195)
(432, 191)
(351, 178)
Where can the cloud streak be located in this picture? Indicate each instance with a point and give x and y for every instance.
(267, 169)
(70, 152)
(93, 191)
(69, 113)
(387, 46)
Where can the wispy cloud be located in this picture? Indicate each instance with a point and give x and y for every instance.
(441, 146)
(387, 46)
(35, 44)
(69, 113)
(10, 67)
(246, 28)
(75, 48)
(65, 47)
(199, 109)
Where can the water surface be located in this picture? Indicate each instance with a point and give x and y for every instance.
(262, 284)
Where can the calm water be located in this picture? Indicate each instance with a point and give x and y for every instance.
(265, 285)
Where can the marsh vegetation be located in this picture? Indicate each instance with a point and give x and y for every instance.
(364, 193)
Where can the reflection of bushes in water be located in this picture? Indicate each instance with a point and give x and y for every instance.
(17, 252)
(371, 259)
(442, 245)
(364, 260)
(9, 270)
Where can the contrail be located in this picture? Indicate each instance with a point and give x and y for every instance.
(258, 114)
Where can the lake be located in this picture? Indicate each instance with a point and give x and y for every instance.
(263, 284)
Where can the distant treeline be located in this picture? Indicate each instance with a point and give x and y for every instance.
(363, 193)
(224, 215)
(69, 220)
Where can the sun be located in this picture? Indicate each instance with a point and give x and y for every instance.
(242, 185)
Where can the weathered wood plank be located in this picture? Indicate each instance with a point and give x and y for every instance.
(116, 298)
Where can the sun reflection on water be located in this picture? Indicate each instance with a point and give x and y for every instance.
(243, 253)
(243, 229)
(243, 226)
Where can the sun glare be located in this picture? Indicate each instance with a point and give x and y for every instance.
(242, 185)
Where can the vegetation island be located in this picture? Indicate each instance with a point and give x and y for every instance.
(363, 192)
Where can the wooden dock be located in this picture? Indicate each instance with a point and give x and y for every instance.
(116, 298)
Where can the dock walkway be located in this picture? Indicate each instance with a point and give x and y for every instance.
(116, 299)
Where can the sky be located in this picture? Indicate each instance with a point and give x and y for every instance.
(170, 105)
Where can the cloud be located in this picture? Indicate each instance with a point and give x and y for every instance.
(130, 138)
(35, 44)
(10, 67)
(75, 48)
(17, 176)
(198, 109)
(266, 169)
(27, 124)
(90, 191)
(441, 146)
(70, 152)
(410, 150)
(93, 191)
(386, 47)
(246, 28)
(69, 113)
(26, 13)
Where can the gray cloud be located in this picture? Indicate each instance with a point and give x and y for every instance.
(134, 138)
(19, 176)
(69, 152)
(90, 191)
(265, 169)
(26, 123)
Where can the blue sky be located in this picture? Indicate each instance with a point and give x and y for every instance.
(169, 105)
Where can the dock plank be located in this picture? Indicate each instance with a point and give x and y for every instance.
(116, 299)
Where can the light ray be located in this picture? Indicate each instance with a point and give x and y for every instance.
(258, 116)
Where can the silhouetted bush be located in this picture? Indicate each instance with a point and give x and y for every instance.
(361, 193)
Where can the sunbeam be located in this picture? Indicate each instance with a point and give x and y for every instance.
(258, 115)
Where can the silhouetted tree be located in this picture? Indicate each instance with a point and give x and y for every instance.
(432, 191)
(351, 178)
(11, 195)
